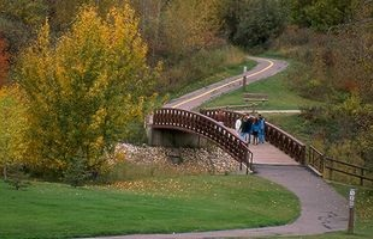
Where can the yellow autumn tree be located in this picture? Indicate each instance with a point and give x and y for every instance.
(13, 128)
(85, 88)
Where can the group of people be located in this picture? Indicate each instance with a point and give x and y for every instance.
(251, 128)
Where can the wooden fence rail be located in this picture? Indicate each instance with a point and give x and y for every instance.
(192, 122)
(329, 167)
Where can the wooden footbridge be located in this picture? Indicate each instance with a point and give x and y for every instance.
(205, 124)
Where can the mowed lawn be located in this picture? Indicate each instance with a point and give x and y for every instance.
(280, 95)
(156, 205)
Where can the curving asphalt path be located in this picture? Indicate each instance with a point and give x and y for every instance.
(264, 69)
(322, 209)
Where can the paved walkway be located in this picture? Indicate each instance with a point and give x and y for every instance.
(322, 209)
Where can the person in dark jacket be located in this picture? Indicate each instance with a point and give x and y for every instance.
(255, 130)
(246, 128)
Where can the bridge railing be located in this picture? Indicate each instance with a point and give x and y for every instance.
(286, 143)
(276, 136)
(192, 122)
(227, 117)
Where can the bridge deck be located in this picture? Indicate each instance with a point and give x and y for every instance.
(268, 154)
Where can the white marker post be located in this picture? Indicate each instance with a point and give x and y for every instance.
(351, 204)
(244, 78)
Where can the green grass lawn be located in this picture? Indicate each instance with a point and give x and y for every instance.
(280, 96)
(193, 203)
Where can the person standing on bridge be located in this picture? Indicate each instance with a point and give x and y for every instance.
(246, 128)
(255, 130)
(262, 132)
(238, 126)
(220, 116)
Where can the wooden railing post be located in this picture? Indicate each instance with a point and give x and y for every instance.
(322, 165)
(303, 156)
(331, 169)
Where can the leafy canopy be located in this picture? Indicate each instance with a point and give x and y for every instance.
(85, 88)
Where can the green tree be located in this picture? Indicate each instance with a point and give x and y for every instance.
(85, 88)
(254, 22)
(19, 21)
(29, 12)
(321, 14)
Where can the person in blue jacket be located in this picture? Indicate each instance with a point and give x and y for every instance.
(262, 132)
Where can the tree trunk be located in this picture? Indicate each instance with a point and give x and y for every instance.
(5, 173)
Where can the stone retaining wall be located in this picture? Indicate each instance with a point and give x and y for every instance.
(211, 159)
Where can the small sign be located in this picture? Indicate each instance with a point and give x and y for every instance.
(244, 69)
(352, 197)
(351, 219)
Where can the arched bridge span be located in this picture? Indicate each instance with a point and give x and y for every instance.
(202, 125)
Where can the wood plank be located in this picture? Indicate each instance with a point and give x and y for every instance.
(268, 154)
